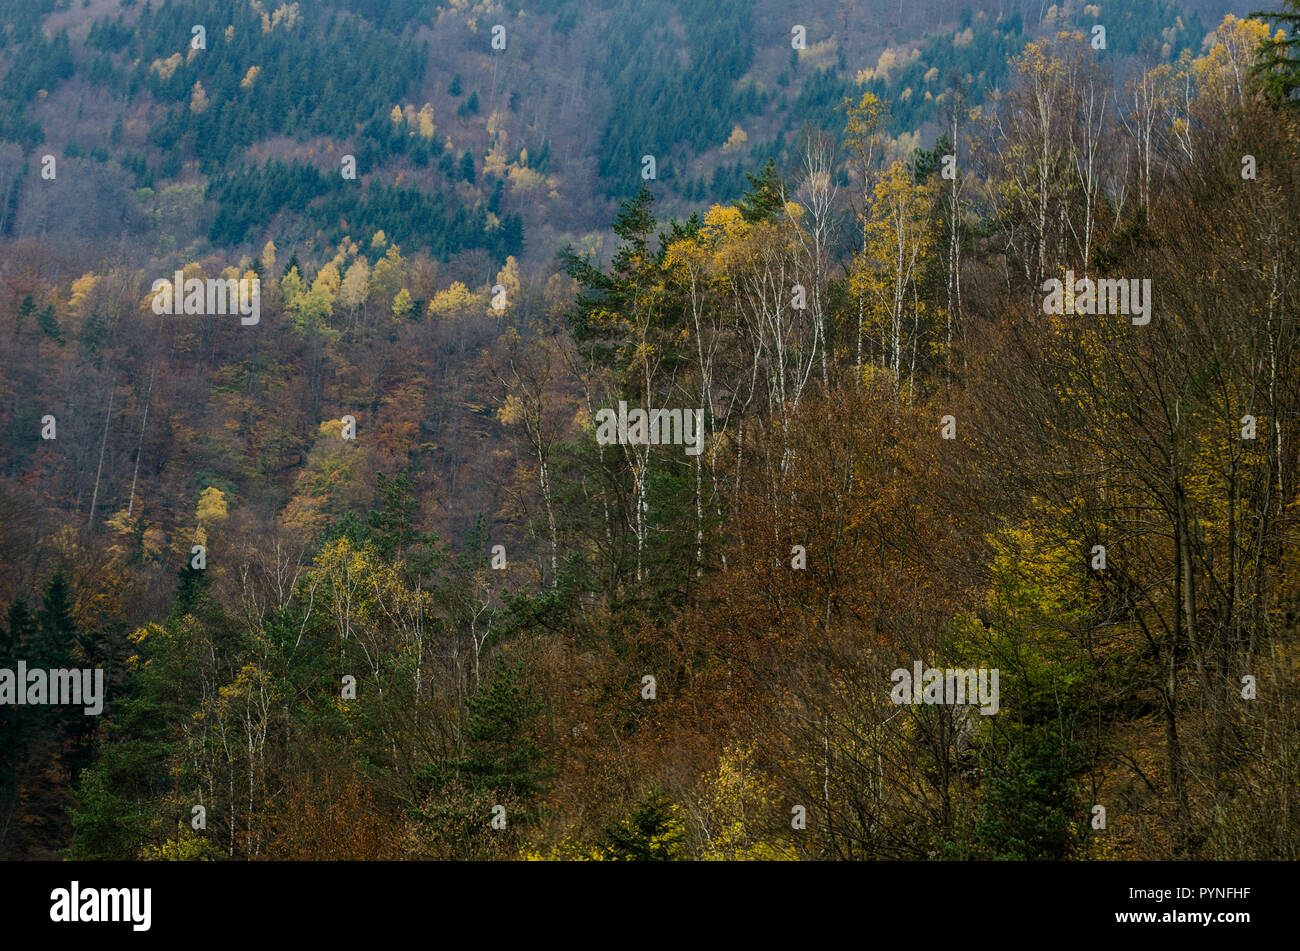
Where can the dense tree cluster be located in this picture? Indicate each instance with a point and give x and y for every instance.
(411, 217)
(477, 631)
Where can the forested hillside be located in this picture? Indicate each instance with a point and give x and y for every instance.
(981, 331)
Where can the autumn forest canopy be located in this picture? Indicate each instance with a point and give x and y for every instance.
(564, 505)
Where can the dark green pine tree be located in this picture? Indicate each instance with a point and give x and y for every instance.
(49, 324)
(500, 756)
(14, 731)
(765, 197)
(61, 643)
(190, 585)
(926, 163)
(512, 234)
(598, 291)
(1030, 810)
(25, 309)
(56, 630)
(1278, 69)
(652, 833)
(16, 633)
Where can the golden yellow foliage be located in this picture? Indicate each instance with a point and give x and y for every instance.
(508, 277)
(735, 811)
(734, 141)
(454, 300)
(526, 179)
(402, 303)
(356, 284)
(328, 279)
(185, 846)
(212, 506)
(165, 67)
(82, 288)
(198, 99)
(1223, 72)
(511, 411)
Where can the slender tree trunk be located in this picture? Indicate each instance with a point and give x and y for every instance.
(144, 421)
(94, 498)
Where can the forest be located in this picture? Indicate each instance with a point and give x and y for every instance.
(366, 584)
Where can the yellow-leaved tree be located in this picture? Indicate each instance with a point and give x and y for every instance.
(899, 238)
(738, 815)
